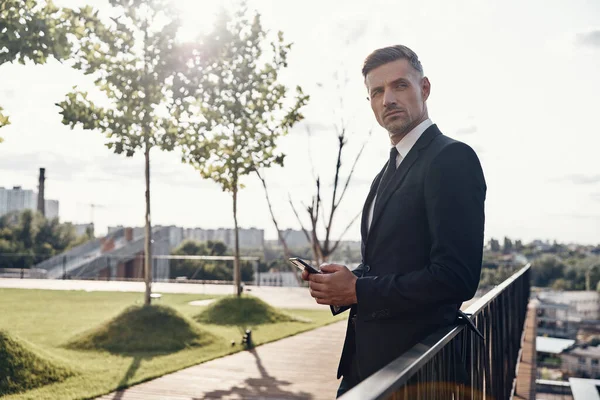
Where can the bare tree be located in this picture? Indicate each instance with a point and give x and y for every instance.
(322, 249)
(286, 250)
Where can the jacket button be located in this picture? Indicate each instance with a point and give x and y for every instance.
(368, 268)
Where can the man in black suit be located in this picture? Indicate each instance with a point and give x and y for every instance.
(422, 228)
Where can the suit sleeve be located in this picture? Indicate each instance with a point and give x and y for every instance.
(358, 272)
(454, 193)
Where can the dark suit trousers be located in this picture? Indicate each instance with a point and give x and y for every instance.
(350, 378)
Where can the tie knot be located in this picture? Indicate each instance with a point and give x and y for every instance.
(393, 153)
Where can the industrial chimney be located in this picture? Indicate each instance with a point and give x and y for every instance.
(41, 205)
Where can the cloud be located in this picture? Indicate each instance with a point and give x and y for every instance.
(580, 179)
(478, 149)
(57, 166)
(312, 127)
(577, 216)
(591, 39)
(467, 130)
(9, 94)
(109, 168)
(356, 29)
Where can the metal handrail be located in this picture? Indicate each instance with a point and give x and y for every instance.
(397, 373)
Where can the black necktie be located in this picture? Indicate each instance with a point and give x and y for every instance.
(388, 174)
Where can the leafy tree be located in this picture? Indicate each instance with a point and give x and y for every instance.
(508, 246)
(584, 273)
(205, 269)
(243, 105)
(28, 238)
(494, 245)
(546, 270)
(134, 59)
(3, 121)
(492, 277)
(34, 30)
(561, 284)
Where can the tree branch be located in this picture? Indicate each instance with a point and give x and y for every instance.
(310, 158)
(341, 143)
(286, 249)
(353, 167)
(335, 246)
(299, 220)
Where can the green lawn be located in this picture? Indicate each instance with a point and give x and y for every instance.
(49, 319)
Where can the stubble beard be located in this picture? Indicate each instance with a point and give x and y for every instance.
(399, 127)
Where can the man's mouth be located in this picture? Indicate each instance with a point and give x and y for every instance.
(391, 113)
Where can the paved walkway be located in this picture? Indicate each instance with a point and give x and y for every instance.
(282, 297)
(300, 367)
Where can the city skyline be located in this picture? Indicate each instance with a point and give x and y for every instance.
(523, 94)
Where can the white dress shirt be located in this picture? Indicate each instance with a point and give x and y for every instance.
(403, 147)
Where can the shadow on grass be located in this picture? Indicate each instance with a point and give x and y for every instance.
(135, 365)
(267, 387)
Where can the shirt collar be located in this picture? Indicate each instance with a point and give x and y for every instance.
(408, 141)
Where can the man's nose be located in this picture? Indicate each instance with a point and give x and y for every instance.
(388, 98)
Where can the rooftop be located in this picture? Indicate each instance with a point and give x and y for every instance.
(552, 345)
(586, 351)
(585, 389)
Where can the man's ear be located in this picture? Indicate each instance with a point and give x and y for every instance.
(425, 88)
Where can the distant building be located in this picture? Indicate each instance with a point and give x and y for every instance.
(81, 229)
(51, 208)
(548, 350)
(295, 239)
(582, 361)
(585, 389)
(582, 304)
(248, 238)
(118, 255)
(276, 278)
(19, 199)
(541, 246)
(251, 238)
(553, 320)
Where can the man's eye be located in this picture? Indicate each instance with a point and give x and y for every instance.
(375, 93)
(401, 85)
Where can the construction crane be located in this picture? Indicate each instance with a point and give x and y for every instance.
(93, 206)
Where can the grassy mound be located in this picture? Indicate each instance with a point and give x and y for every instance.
(21, 369)
(138, 329)
(244, 310)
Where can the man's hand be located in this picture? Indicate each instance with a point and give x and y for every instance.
(336, 286)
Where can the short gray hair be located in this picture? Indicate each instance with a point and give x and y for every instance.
(388, 54)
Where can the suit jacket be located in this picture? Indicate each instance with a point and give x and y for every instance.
(421, 257)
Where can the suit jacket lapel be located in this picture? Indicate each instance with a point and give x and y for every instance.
(364, 225)
(402, 170)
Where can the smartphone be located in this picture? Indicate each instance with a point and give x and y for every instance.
(303, 265)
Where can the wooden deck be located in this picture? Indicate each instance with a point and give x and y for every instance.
(527, 371)
(300, 367)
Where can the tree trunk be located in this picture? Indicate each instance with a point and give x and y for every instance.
(148, 237)
(146, 124)
(236, 262)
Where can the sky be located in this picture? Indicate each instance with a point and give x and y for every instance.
(518, 81)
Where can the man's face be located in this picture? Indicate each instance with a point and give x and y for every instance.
(398, 94)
